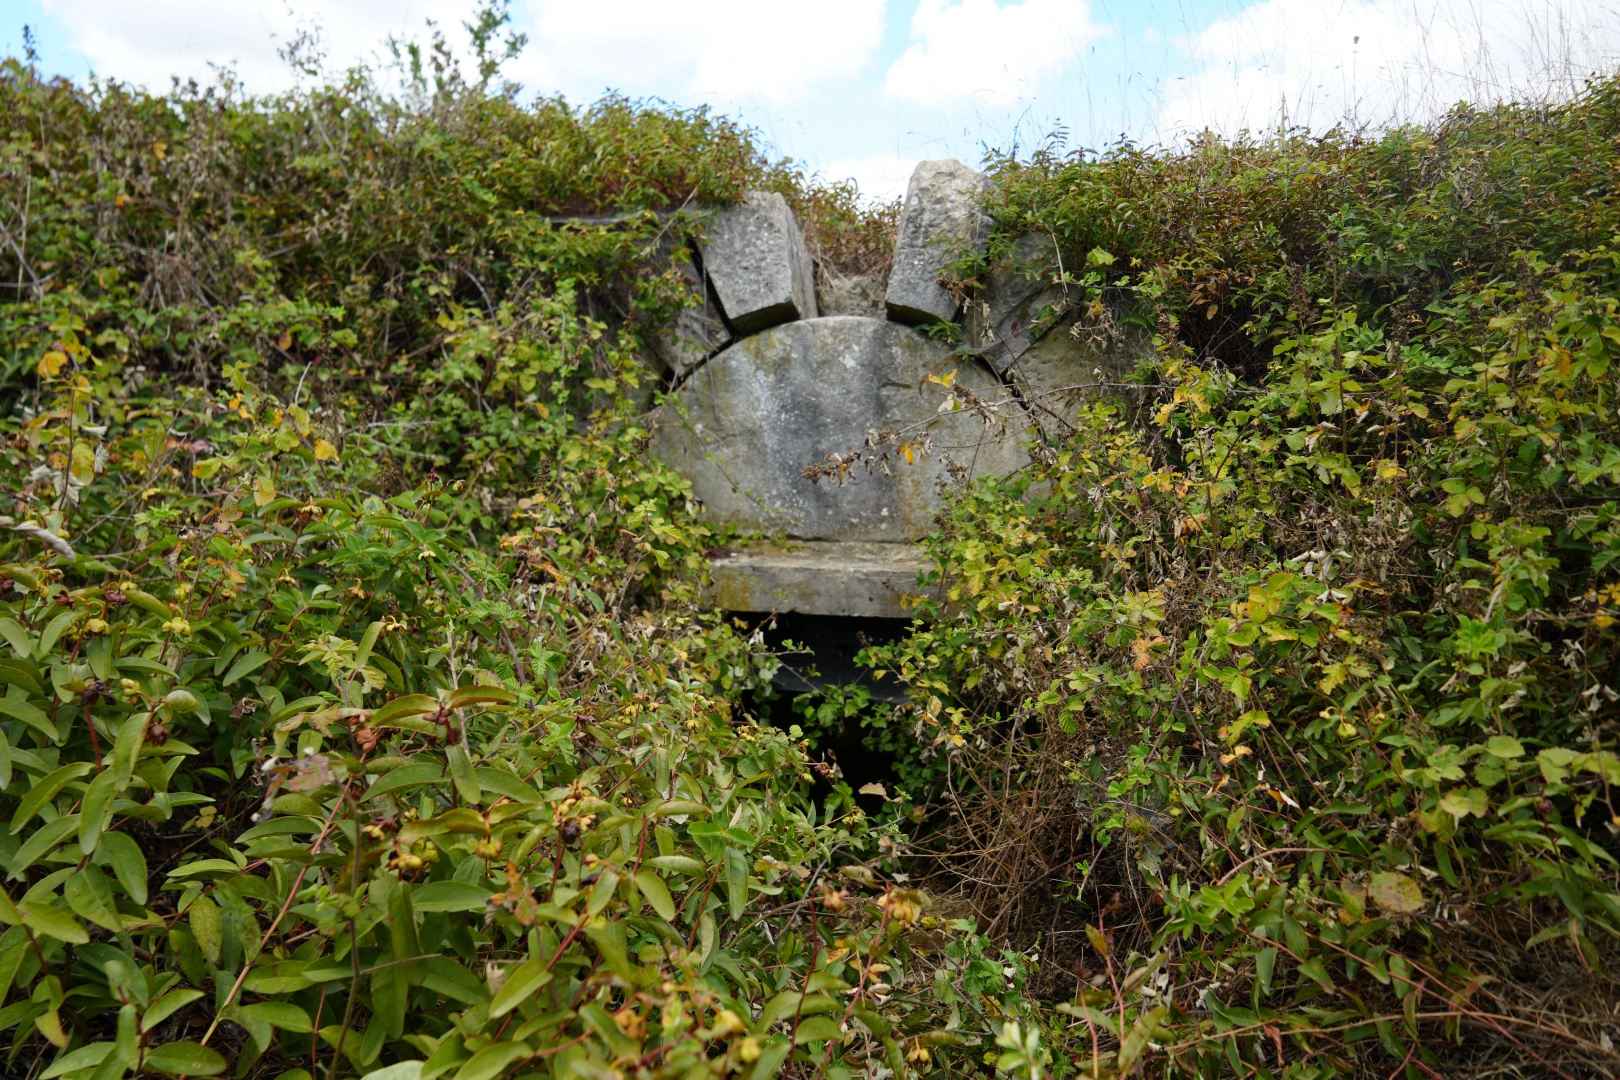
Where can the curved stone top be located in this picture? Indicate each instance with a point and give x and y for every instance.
(745, 425)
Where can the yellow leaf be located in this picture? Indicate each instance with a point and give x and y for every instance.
(325, 451)
(264, 491)
(119, 200)
(51, 363)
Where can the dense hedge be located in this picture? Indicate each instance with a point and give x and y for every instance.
(359, 716)
(360, 713)
(1275, 706)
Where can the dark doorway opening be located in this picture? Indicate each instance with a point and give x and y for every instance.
(818, 654)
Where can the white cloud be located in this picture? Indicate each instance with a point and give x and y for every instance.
(1377, 62)
(723, 51)
(148, 42)
(976, 49)
(714, 50)
(880, 177)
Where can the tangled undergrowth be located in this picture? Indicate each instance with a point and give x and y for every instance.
(1273, 711)
(360, 717)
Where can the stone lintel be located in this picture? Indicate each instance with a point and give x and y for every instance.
(818, 578)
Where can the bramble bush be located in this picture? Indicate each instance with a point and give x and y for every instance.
(360, 716)
(1277, 700)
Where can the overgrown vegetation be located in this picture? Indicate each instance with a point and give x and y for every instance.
(1282, 693)
(358, 710)
(360, 715)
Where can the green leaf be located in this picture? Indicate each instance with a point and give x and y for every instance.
(42, 843)
(19, 639)
(22, 673)
(736, 881)
(246, 664)
(89, 894)
(43, 791)
(479, 695)
(402, 933)
(449, 896)
(771, 1056)
(602, 892)
(206, 927)
(502, 782)
(167, 1005)
(522, 982)
(601, 1021)
(684, 864)
(1316, 970)
(282, 1014)
(491, 1061)
(408, 705)
(184, 1058)
(10, 960)
(1461, 802)
(28, 714)
(127, 747)
(368, 641)
(609, 940)
(52, 921)
(58, 626)
(283, 977)
(404, 778)
(461, 771)
(678, 808)
(400, 1070)
(1396, 893)
(85, 1057)
(817, 1029)
(141, 663)
(181, 701)
(1137, 1039)
(96, 810)
(128, 864)
(1505, 747)
(657, 894)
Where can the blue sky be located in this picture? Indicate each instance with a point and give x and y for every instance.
(865, 88)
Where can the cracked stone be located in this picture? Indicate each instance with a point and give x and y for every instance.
(755, 257)
(940, 220)
(746, 425)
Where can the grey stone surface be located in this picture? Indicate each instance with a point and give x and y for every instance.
(754, 255)
(744, 427)
(855, 294)
(818, 578)
(1062, 370)
(1016, 303)
(940, 219)
(698, 331)
(1043, 339)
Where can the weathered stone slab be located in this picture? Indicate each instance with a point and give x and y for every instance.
(1016, 303)
(855, 294)
(697, 333)
(744, 427)
(754, 255)
(941, 218)
(1059, 351)
(1064, 370)
(818, 578)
